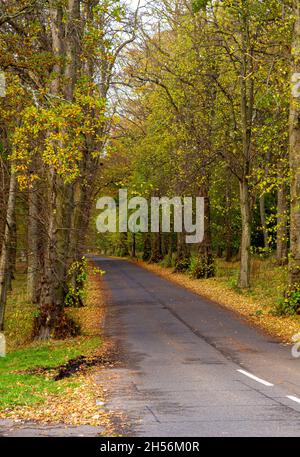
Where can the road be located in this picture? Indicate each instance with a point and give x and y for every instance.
(189, 362)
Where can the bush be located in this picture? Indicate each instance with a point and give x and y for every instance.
(182, 263)
(193, 265)
(76, 283)
(167, 261)
(289, 305)
(202, 267)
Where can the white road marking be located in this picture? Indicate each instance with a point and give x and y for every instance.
(293, 398)
(262, 381)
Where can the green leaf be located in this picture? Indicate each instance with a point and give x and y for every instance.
(199, 5)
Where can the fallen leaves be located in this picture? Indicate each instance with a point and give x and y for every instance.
(91, 317)
(83, 402)
(78, 406)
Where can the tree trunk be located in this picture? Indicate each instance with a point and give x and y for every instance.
(156, 254)
(228, 219)
(247, 103)
(58, 256)
(282, 232)
(123, 250)
(33, 246)
(183, 258)
(294, 138)
(83, 208)
(262, 210)
(205, 267)
(13, 251)
(3, 197)
(49, 305)
(244, 278)
(5, 260)
(147, 247)
(165, 241)
(133, 246)
(228, 244)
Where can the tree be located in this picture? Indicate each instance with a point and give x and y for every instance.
(66, 67)
(245, 32)
(294, 262)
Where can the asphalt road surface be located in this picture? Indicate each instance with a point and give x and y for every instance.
(193, 368)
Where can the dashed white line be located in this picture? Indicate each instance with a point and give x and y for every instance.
(293, 398)
(255, 378)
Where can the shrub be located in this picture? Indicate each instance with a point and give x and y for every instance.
(76, 283)
(182, 263)
(289, 305)
(202, 267)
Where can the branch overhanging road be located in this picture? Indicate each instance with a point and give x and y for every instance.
(193, 368)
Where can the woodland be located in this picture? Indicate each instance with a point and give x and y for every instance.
(162, 98)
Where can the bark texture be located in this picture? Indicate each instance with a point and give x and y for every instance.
(282, 230)
(205, 267)
(7, 248)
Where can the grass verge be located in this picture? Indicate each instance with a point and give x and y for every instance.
(28, 390)
(18, 387)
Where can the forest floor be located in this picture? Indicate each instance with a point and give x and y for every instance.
(256, 304)
(56, 382)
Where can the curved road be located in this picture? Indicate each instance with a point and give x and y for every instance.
(193, 368)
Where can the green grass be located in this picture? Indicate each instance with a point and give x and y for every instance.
(268, 281)
(17, 388)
